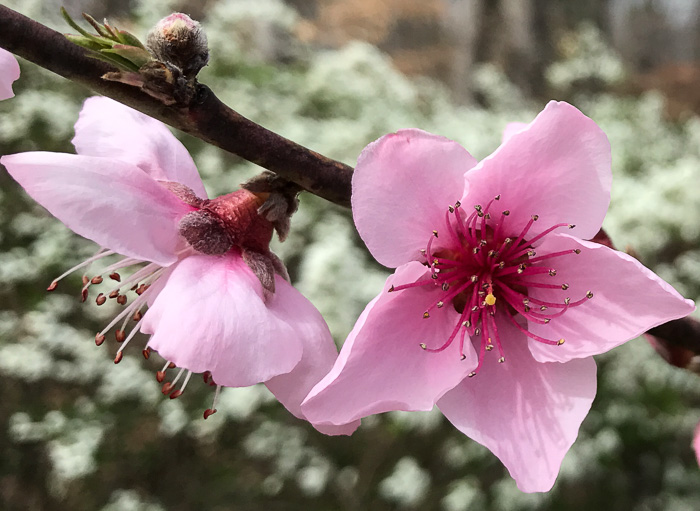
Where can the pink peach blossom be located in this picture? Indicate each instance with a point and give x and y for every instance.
(128, 189)
(494, 311)
(9, 72)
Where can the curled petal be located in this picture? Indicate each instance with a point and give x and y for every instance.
(401, 188)
(108, 201)
(696, 443)
(558, 167)
(382, 367)
(628, 299)
(318, 356)
(9, 72)
(526, 413)
(210, 316)
(112, 130)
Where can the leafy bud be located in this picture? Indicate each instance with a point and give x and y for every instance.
(117, 47)
(178, 40)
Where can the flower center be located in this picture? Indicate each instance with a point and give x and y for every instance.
(488, 272)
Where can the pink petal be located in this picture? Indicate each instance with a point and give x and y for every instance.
(628, 299)
(108, 201)
(112, 130)
(696, 443)
(381, 366)
(210, 316)
(401, 188)
(512, 128)
(9, 72)
(318, 357)
(558, 168)
(527, 413)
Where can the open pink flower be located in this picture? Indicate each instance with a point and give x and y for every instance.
(9, 72)
(494, 310)
(134, 189)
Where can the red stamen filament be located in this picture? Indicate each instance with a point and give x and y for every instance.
(533, 336)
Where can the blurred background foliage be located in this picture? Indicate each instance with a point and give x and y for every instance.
(77, 432)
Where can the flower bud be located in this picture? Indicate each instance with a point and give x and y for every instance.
(178, 40)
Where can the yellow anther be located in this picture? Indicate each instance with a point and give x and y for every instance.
(490, 299)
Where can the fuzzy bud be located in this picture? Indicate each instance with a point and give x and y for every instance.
(178, 40)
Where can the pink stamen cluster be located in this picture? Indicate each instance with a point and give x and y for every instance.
(487, 273)
(139, 282)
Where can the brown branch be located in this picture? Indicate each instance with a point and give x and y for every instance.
(209, 119)
(205, 117)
